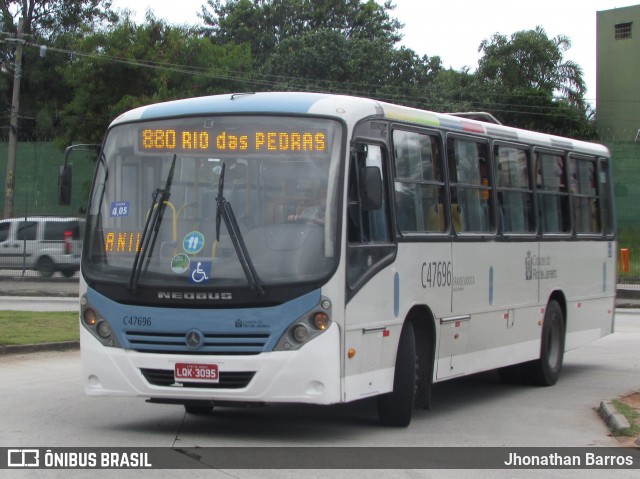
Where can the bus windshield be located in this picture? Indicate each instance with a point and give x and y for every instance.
(155, 209)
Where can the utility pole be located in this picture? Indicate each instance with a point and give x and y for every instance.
(13, 124)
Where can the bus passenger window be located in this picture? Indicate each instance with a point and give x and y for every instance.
(552, 193)
(418, 182)
(586, 211)
(470, 185)
(515, 193)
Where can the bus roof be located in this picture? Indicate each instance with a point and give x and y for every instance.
(351, 109)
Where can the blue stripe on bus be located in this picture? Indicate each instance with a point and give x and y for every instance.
(396, 294)
(243, 103)
(491, 285)
(270, 322)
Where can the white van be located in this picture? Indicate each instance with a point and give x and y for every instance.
(43, 243)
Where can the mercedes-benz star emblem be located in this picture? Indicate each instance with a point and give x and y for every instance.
(194, 339)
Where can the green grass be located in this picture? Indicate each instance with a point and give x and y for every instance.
(632, 416)
(27, 327)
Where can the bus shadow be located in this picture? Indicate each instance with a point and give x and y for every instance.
(356, 422)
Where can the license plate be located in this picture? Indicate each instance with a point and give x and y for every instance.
(204, 373)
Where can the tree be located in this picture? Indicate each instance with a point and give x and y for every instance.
(48, 19)
(132, 65)
(343, 46)
(529, 84)
(264, 24)
(51, 23)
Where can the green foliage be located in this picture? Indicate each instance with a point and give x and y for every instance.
(530, 59)
(49, 19)
(100, 65)
(326, 60)
(131, 65)
(530, 85)
(51, 23)
(264, 24)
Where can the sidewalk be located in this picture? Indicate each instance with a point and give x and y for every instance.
(628, 296)
(37, 286)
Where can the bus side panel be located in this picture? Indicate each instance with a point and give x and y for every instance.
(370, 322)
(495, 292)
(429, 281)
(375, 315)
(584, 271)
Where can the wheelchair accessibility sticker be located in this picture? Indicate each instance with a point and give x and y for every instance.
(193, 242)
(200, 272)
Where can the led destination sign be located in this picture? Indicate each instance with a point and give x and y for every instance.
(255, 141)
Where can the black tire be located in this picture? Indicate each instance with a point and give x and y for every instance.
(396, 408)
(198, 407)
(46, 267)
(546, 370)
(67, 272)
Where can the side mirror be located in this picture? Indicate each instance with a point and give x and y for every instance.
(371, 194)
(64, 185)
(65, 176)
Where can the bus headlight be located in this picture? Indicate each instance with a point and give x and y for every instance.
(300, 333)
(90, 317)
(321, 320)
(93, 322)
(307, 327)
(103, 329)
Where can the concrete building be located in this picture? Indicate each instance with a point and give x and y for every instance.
(618, 74)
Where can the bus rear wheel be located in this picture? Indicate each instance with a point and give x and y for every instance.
(545, 371)
(396, 408)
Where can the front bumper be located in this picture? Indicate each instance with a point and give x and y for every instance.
(308, 375)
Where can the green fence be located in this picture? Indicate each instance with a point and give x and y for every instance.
(36, 180)
(626, 171)
(38, 163)
(36, 194)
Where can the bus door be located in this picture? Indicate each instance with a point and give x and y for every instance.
(370, 249)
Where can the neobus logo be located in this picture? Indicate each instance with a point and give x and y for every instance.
(194, 296)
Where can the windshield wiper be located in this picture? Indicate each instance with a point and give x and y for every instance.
(154, 219)
(225, 212)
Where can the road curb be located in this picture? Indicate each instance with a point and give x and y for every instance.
(39, 348)
(615, 421)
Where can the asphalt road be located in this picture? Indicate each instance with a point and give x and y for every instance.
(44, 405)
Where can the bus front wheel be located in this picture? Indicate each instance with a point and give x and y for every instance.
(396, 408)
(545, 371)
(198, 407)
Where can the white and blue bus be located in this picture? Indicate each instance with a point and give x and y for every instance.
(317, 248)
